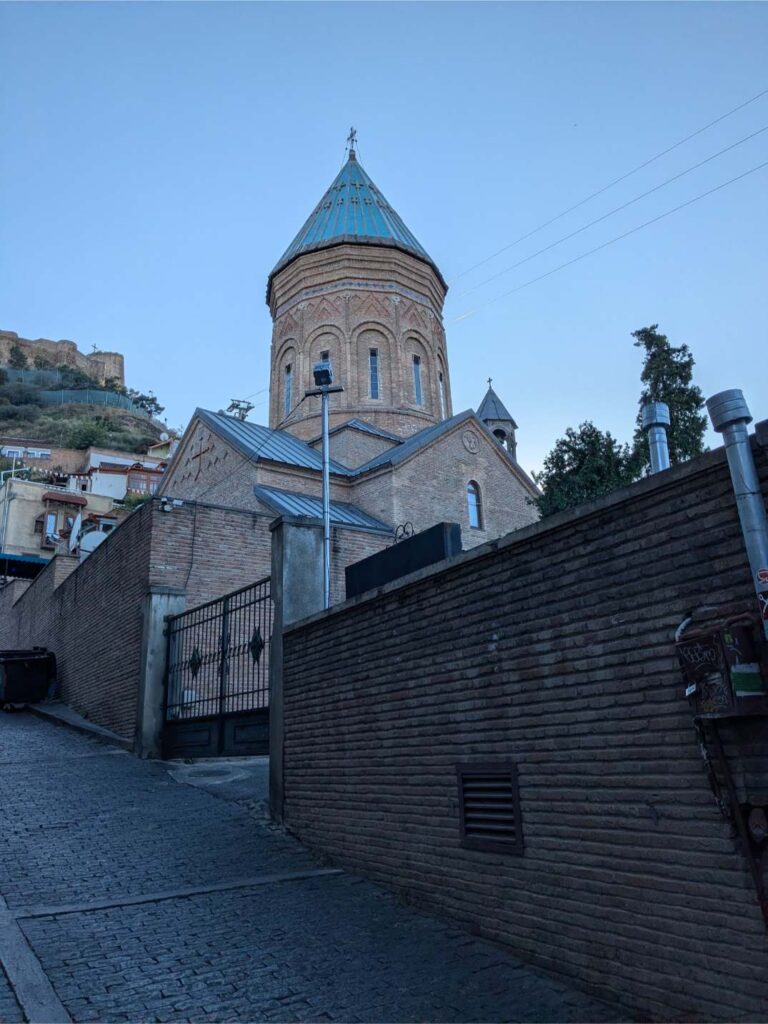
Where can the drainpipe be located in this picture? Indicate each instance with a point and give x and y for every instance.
(655, 420)
(730, 416)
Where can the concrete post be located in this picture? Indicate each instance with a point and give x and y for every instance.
(297, 591)
(158, 603)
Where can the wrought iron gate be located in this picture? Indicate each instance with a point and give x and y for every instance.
(217, 677)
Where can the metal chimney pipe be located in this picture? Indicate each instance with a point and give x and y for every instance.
(655, 420)
(730, 416)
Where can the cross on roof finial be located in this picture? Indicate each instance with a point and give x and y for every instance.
(352, 142)
(490, 381)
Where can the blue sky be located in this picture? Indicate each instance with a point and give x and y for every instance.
(158, 159)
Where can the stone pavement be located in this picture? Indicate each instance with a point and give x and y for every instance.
(160, 892)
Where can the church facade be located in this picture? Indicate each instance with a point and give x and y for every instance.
(355, 287)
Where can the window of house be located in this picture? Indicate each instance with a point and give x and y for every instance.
(49, 529)
(474, 506)
(13, 453)
(325, 356)
(373, 356)
(288, 390)
(441, 381)
(417, 380)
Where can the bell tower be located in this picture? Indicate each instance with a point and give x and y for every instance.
(355, 286)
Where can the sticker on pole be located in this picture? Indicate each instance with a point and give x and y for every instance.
(762, 576)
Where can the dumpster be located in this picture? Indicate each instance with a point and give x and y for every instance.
(26, 675)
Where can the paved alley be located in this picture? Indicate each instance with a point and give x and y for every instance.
(143, 891)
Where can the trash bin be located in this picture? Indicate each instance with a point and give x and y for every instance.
(25, 675)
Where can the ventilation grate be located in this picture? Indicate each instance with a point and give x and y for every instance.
(489, 807)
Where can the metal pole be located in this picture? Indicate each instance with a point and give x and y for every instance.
(730, 415)
(326, 506)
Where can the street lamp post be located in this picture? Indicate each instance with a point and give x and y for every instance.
(324, 386)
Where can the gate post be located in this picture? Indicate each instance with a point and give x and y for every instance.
(158, 603)
(297, 591)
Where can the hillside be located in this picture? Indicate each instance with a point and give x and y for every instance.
(27, 410)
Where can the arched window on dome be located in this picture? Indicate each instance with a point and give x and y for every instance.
(417, 389)
(373, 372)
(288, 389)
(474, 505)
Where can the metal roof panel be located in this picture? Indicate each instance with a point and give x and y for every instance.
(342, 513)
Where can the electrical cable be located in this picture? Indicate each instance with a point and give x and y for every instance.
(611, 184)
(611, 241)
(610, 213)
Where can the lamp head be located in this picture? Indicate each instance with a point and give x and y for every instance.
(323, 374)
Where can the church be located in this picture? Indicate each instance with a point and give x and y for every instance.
(356, 288)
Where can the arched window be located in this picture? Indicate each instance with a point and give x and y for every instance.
(441, 382)
(474, 506)
(288, 390)
(500, 435)
(373, 375)
(417, 394)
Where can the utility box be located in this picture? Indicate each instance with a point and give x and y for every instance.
(26, 675)
(725, 670)
(406, 556)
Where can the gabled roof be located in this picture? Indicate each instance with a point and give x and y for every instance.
(412, 444)
(342, 513)
(255, 441)
(352, 210)
(492, 408)
(366, 428)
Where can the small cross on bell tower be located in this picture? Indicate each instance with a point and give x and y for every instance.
(351, 143)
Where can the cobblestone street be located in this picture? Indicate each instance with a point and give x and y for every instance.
(131, 895)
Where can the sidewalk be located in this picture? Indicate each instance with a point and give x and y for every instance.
(160, 892)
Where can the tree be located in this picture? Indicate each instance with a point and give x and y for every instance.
(584, 464)
(85, 433)
(17, 358)
(666, 377)
(148, 402)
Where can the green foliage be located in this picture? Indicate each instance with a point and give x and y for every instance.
(75, 379)
(12, 414)
(666, 376)
(41, 363)
(584, 464)
(84, 433)
(20, 394)
(136, 500)
(113, 384)
(146, 402)
(17, 358)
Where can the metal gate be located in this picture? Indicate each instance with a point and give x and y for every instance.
(217, 676)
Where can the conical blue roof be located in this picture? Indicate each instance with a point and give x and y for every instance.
(352, 210)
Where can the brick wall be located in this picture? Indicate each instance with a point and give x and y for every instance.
(90, 614)
(353, 447)
(552, 648)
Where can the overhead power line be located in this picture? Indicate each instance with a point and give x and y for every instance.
(618, 238)
(610, 213)
(611, 184)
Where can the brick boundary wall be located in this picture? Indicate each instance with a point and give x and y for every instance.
(91, 614)
(553, 648)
